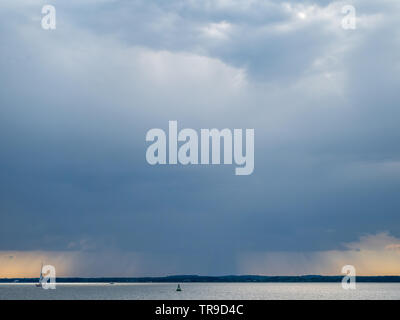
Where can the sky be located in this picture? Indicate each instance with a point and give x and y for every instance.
(76, 104)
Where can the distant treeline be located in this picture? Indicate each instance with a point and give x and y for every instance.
(195, 278)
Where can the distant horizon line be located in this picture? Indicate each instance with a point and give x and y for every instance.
(199, 278)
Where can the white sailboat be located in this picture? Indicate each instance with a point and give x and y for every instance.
(40, 278)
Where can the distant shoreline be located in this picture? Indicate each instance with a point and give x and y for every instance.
(215, 279)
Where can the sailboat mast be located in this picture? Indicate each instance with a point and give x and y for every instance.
(41, 275)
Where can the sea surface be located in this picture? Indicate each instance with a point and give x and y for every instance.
(201, 291)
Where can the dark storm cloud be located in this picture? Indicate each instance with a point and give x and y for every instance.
(76, 104)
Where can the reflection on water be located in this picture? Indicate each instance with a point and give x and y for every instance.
(202, 291)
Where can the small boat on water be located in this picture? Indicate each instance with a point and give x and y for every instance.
(179, 288)
(39, 284)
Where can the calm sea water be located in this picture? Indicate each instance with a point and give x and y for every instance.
(201, 291)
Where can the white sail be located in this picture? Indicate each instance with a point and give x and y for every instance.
(41, 276)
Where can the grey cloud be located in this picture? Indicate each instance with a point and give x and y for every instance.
(76, 104)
